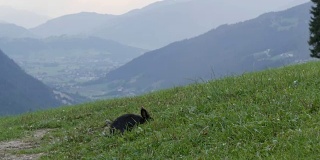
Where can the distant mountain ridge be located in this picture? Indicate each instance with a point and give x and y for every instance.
(271, 40)
(19, 92)
(8, 30)
(73, 24)
(157, 24)
(26, 19)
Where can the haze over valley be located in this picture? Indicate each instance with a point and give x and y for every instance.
(87, 55)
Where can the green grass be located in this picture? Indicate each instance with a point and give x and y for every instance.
(272, 114)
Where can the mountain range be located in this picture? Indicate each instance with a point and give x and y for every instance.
(26, 19)
(73, 24)
(270, 40)
(20, 92)
(8, 30)
(158, 24)
(76, 48)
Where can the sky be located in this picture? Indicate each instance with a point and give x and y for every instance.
(39, 11)
(56, 8)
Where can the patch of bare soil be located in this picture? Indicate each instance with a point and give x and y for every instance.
(8, 148)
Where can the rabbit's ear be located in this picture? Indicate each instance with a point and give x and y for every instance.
(144, 113)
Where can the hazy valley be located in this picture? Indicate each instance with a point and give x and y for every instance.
(97, 59)
(64, 62)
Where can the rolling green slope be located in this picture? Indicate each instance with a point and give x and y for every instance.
(272, 114)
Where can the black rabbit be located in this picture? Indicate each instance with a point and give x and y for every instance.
(128, 121)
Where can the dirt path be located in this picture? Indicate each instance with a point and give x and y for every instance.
(7, 148)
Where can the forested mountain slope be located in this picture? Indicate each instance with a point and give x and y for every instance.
(19, 92)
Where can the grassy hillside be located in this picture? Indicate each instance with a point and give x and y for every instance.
(272, 114)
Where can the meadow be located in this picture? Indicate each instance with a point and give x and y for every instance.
(272, 114)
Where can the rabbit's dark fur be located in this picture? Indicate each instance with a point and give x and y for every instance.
(128, 121)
